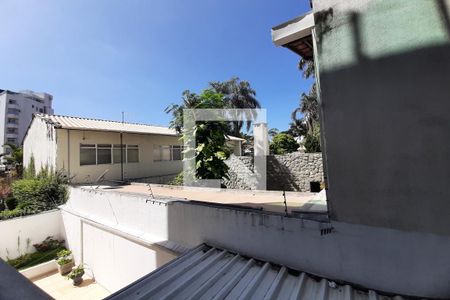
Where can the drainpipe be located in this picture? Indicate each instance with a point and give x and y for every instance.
(121, 149)
(68, 154)
(121, 156)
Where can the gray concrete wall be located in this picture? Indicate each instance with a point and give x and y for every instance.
(411, 263)
(289, 172)
(384, 70)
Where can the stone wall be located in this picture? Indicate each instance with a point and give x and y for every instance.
(294, 171)
(290, 172)
(165, 179)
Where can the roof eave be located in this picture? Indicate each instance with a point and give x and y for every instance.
(293, 30)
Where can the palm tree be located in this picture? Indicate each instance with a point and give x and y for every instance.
(309, 107)
(297, 128)
(237, 94)
(306, 66)
(273, 132)
(189, 100)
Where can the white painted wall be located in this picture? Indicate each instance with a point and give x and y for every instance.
(388, 260)
(40, 143)
(15, 233)
(115, 255)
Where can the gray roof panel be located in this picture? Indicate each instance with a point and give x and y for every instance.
(210, 273)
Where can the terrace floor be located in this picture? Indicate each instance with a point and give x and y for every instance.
(59, 287)
(272, 201)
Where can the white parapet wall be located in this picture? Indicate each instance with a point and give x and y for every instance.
(115, 236)
(18, 235)
(119, 237)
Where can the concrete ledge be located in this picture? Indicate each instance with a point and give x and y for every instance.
(40, 269)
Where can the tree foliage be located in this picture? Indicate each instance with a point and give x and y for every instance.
(15, 158)
(211, 150)
(308, 124)
(283, 143)
(312, 140)
(237, 94)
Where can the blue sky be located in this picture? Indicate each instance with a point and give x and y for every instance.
(99, 58)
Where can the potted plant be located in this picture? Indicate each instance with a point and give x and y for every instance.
(77, 275)
(64, 261)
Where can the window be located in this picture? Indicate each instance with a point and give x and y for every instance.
(12, 121)
(177, 152)
(92, 154)
(12, 101)
(11, 130)
(41, 110)
(11, 140)
(104, 154)
(13, 111)
(116, 154)
(88, 154)
(132, 153)
(166, 153)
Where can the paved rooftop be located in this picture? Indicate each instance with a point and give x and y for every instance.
(59, 287)
(263, 200)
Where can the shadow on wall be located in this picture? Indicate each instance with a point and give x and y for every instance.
(386, 125)
(280, 177)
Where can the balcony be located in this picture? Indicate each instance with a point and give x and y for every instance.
(12, 114)
(14, 106)
(11, 135)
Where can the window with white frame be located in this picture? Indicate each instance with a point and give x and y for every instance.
(167, 152)
(97, 154)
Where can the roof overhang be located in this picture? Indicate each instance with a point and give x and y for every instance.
(296, 35)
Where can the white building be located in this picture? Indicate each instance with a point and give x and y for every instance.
(89, 148)
(16, 113)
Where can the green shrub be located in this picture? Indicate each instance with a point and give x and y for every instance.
(33, 259)
(178, 180)
(11, 202)
(312, 144)
(40, 193)
(283, 143)
(312, 140)
(48, 244)
(78, 271)
(64, 257)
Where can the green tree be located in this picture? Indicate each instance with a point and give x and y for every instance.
(312, 140)
(283, 143)
(211, 150)
(297, 128)
(189, 100)
(273, 132)
(237, 94)
(309, 105)
(15, 157)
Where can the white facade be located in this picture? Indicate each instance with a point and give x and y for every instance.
(87, 149)
(16, 113)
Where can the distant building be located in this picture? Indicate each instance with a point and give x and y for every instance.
(87, 149)
(16, 113)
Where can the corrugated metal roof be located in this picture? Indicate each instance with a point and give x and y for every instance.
(210, 273)
(69, 122)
